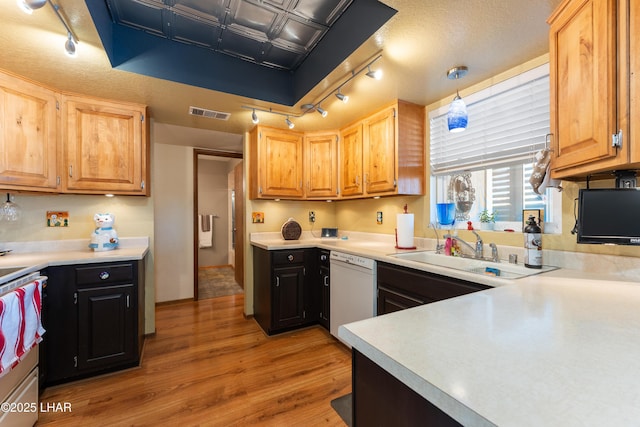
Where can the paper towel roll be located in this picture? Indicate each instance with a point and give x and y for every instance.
(405, 230)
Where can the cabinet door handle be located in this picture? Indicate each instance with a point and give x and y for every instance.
(75, 361)
(326, 280)
(357, 179)
(128, 302)
(70, 171)
(75, 298)
(277, 281)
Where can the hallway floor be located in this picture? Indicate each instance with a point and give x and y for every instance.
(217, 281)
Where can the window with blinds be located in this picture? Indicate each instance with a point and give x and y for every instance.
(508, 124)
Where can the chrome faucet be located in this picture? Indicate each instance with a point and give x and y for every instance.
(438, 247)
(479, 252)
(494, 252)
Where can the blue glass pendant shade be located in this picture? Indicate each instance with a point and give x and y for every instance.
(457, 115)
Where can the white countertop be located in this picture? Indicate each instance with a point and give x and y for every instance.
(382, 248)
(34, 256)
(558, 348)
(551, 352)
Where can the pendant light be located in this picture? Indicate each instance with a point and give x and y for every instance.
(457, 116)
(10, 211)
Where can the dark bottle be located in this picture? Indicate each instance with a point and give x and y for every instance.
(532, 244)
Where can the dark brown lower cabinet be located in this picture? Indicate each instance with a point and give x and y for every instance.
(94, 319)
(379, 399)
(106, 334)
(284, 289)
(400, 287)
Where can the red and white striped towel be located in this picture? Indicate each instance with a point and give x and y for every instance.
(20, 324)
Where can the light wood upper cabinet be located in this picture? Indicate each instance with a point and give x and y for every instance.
(391, 146)
(351, 161)
(28, 135)
(590, 86)
(275, 164)
(380, 152)
(105, 146)
(321, 165)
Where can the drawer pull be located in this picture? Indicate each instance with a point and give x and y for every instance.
(290, 257)
(104, 275)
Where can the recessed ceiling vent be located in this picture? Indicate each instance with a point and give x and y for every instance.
(210, 114)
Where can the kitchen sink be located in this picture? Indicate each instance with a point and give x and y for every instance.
(473, 265)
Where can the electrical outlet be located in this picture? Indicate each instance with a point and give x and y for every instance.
(312, 216)
(379, 217)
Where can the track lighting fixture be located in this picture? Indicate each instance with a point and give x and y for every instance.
(341, 97)
(374, 74)
(28, 6)
(289, 123)
(70, 46)
(306, 108)
(457, 116)
(322, 111)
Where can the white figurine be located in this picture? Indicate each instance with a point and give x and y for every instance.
(104, 238)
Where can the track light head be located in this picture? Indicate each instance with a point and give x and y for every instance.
(70, 46)
(289, 123)
(254, 117)
(342, 97)
(28, 6)
(322, 111)
(374, 74)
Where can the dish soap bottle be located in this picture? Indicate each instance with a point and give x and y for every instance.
(532, 244)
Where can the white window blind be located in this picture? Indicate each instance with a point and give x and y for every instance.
(507, 123)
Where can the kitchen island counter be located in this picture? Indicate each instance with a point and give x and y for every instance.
(549, 351)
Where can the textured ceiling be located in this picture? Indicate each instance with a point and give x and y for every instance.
(418, 44)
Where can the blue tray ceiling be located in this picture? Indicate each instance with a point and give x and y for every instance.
(272, 50)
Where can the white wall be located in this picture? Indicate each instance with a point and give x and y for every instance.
(173, 208)
(134, 218)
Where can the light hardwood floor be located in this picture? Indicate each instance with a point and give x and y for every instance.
(209, 366)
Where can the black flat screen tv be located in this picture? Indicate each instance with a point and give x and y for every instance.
(609, 216)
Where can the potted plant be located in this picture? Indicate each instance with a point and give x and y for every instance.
(487, 220)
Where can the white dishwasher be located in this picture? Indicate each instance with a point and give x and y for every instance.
(352, 293)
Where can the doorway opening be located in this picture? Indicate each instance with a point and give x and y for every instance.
(218, 224)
